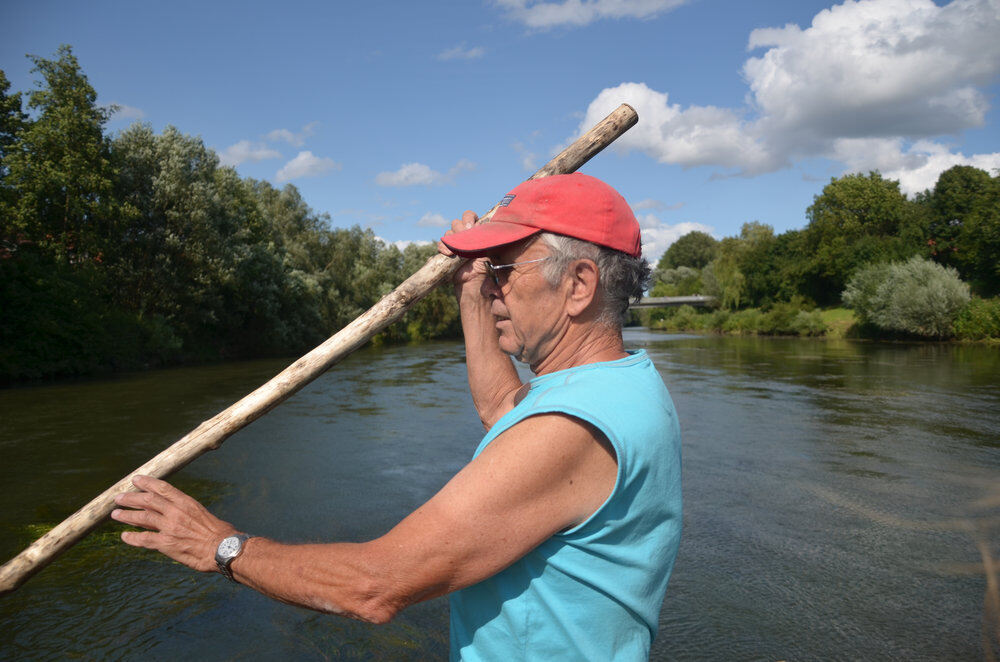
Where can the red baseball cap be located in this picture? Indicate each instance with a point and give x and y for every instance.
(575, 205)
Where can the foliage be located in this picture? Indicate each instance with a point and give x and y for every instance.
(787, 319)
(979, 320)
(915, 297)
(682, 281)
(748, 321)
(694, 250)
(12, 119)
(723, 278)
(964, 232)
(57, 165)
(857, 219)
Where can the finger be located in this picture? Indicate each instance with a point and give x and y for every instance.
(141, 518)
(479, 265)
(468, 219)
(144, 500)
(161, 487)
(146, 539)
(442, 249)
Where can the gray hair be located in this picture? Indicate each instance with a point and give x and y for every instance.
(622, 278)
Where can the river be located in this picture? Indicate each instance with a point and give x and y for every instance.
(835, 493)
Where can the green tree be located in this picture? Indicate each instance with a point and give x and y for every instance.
(59, 165)
(695, 249)
(12, 122)
(856, 220)
(965, 230)
(759, 262)
(723, 278)
(682, 281)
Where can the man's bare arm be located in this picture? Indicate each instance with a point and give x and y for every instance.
(544, 475)
(493, 381)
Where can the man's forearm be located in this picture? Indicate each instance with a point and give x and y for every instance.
(338, 578)
(493, 380)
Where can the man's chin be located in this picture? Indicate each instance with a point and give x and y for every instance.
(515, 352)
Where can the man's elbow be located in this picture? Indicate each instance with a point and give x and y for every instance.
(374, 611)
(380, 615)
(378, 604)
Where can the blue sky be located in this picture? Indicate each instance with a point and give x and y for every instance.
(399, 115)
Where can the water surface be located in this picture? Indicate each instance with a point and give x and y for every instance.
(834, 495)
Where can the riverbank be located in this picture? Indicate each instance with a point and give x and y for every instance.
(65, 321)
(979, 322)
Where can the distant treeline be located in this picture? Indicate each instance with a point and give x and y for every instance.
(921, 267)
(137, 249)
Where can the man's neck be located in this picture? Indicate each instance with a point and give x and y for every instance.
(592, 344)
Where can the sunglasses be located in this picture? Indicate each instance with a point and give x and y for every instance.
(493, 269)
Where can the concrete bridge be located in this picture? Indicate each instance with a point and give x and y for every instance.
(663, 302)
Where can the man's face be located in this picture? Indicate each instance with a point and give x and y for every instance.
(529, 312)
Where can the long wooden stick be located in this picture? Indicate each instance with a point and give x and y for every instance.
(210, 434)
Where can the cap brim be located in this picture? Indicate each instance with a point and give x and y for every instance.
(485, 237)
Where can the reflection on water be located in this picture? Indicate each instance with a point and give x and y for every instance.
(835, 493)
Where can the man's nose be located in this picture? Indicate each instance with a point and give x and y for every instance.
(489, 288)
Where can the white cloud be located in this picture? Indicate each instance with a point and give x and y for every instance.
(245, 151)
(881, 68)
(529, 160)
(431, 220)
(306, 164)
(648, 203)
(419, 174)
(295, 139)
(916, 168)
(403, 243)
(460, 52)
(868, 83)
(657, 235)
(654, 205)
(410, 174)
(575, 13)
(127, 112)
(696, 136)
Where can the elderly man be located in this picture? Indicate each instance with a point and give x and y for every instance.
(556, 541)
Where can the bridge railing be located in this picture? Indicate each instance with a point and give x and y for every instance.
(663, 302)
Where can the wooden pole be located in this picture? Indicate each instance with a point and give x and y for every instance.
(210, 434)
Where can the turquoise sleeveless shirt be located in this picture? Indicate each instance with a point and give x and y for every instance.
(592, 592)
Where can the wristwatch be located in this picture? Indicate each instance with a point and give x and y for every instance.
(228, 550)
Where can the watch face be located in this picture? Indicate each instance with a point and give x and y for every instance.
(229, 547)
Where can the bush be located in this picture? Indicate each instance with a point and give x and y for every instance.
(809, 323)
(780, 319)
(686, 319)
(979, 320)
(683, 318)
(916, 297)
(715, 320)
(744, 322)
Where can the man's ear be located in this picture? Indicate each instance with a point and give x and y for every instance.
(583, 282)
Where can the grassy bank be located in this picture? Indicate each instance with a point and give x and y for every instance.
(979, 321)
